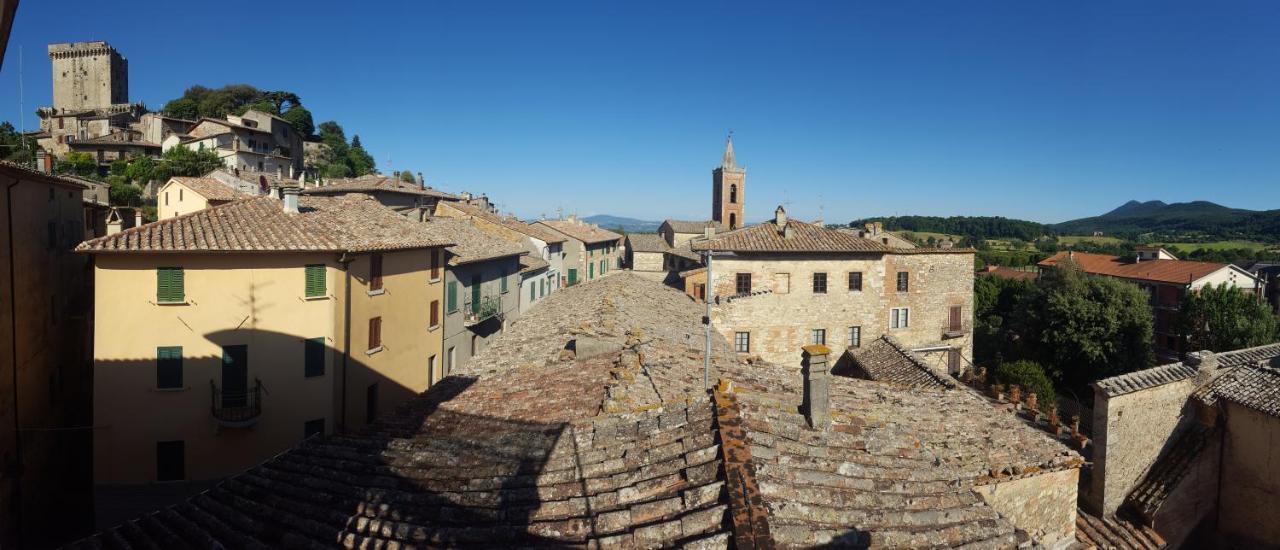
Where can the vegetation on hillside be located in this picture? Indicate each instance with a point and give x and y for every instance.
(13, 147)
(200, 101)
(339, 158)
(975, 228)
(1197, 221)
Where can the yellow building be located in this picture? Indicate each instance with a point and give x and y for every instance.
(182, 195)
(227, 335)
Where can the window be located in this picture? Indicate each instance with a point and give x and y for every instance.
(743, 283)
(169, 367)
(742, 342)
(171, 461)
(902, 281)
(435, 265)
(533, 292)
(435, 314)
(855, 337)
(504, 281)
(591, 270)
(855, 281)
(179, 195)
(375, 333)
(818, 336)
(733, 194)
(899, 317)
(375, 272)
(315, 281)
(313, 357)
(819, 283)
(166, 198)
(449, 361)
(312, 428)
(169, 285)
(431, 370)
(371, 403)
(955, 318)
(451, 297)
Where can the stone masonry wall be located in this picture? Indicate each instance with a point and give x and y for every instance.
(1042, 505)
(1251, 479)
(1129, 432)
(647, 261)
(781, 318)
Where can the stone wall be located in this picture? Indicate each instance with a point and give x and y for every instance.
(1129, 433)
(88, 75)
(647, 261)
(783, 309)
(1250, 494)
(1043, 505)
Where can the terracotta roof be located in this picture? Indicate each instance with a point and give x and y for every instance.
(27, 173)
(886, 360)
(259, 224)
(471, 244)
(541, 233)
(372, 183)
(646, 242)
(685, 251)
(580, 230)
(694, 271)
(1007, 273)
(1166, 271)
(529, 264)
(209, 188)
(1115, 533)
(684, 226)
(805, 237)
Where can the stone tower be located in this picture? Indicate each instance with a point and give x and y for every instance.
(88, 75)
(728, 190)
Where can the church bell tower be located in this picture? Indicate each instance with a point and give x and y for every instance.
(728, 190)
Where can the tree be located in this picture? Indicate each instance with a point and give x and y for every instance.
(998, 305)
(181, 161)
(77, 163)
(1031, 376)
(300, 118)
(1224, 318)
(183, 107)
(360, 161)
(407, 176)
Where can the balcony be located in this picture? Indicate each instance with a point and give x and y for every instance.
(236, 409)
(488, 307)
(956, 331)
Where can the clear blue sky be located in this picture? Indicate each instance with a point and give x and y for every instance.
(1037, 110)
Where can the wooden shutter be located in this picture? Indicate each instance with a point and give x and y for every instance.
(451, 297)
(315, 281)
(504, 281)
(955, 318)
(169, 284)
(435, 313)
(313, 356)
(169, 367)
(375, 272)
(375, 332)
(435, 264)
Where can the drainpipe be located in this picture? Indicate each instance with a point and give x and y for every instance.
(13, 348)
(346, 336)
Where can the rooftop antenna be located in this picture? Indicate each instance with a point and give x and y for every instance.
(22, 109)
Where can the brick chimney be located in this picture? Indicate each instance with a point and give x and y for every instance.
(817, 382)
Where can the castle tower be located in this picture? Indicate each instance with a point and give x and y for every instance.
(88, 75)
(728, 190)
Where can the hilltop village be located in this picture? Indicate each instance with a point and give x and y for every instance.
(282, 359)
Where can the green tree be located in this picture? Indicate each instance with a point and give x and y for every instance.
(407, 176)
(360, 161)
(1033, 379)
(300, 118)
(125, 194)
(77, 163)
(998, 311)
(183, 107)
(181, 161)
(1224, 318)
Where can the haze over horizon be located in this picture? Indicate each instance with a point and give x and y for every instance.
(1038, 112)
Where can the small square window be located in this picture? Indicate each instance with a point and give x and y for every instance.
(855, 281)
(742, 284)
(818, 336)
(855, 337)
(819, 283)
(899, 317)
(742, 342)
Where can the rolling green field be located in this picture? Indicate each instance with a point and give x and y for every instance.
(1220, 245)
(1067, 240)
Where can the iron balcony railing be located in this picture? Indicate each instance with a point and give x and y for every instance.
(487, 308)
(236, 408)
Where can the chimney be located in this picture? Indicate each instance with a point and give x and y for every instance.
(290, 171)
(274, 191)
(421, 182)
(709, 231)
(817, 381)
(303, 181)
(114, 222)
(137, 217)
(290, 200)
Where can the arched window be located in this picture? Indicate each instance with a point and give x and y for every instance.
(733, 221)
(733, 194)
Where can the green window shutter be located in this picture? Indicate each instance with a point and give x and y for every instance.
(533, 295)
(451, 299)
(313, 356)
(169, 284)
(315, 281)
(169, 367)
(504, 281)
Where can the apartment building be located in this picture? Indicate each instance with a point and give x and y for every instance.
(540, 269)
(589, 252)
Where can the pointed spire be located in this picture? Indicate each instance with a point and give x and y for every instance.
(729, 161)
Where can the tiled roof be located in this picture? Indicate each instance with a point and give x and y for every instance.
(114, 138)
(1166, 271)
(685, 251)
(209, 188)
(529, 264)
(1255, 387)
(580, 230)
(1174, 463)
(1115, 533)
(646, 242)
(805, 237)
(23, 172)
(694, 271)
(627, 449)
(373, 183)
(1173, 372)
(686, 226)
(471, 244)
(886, 360)
(260, 224)
(532, 230)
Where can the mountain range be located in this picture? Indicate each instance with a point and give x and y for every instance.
(629, 225)
(1179, 219)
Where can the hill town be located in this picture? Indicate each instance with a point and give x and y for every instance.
(226, 328)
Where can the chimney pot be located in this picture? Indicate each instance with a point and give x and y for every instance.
(817, 382)
(290, 200)
(137, 217)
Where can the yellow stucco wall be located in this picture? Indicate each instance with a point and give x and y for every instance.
(176, 199)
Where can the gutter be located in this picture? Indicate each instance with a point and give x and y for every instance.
(13, 348)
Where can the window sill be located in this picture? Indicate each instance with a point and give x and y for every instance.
(435, 280)
(182, 303)
(171, 390)
(378, 292)
(374, 350)
(433, 328)
(314, 298)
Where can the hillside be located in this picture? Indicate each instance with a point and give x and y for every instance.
(1196, 219)
(630, 225)
(974, 227)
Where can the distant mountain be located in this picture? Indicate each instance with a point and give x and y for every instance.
(630, 225)
(1179, 219)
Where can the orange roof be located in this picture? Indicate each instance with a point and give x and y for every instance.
(1164, 271)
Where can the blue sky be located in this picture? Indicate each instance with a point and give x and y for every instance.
(1037, 110)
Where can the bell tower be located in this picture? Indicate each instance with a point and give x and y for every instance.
(728, 189)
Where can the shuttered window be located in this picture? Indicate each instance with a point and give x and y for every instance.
(315, 281)
(313, 357)
(451, 297)
(435, 314)
(169, 284)
(435, 265)
(504, 281)
(375, 272)
(375, 332)
(169, 367)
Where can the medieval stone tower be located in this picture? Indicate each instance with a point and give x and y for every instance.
(728, 190)
(88, 75)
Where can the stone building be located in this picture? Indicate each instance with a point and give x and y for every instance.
(782, 284)
(646, 255)
(728, 190)
(227, 335)
(411, 200)
(627, 448)
(589, 252)
(90, 99)
(254, 142)
(1189, 448)
(1165, 278)
(45, 383)
(542, 266)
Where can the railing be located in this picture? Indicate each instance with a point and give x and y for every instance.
(966, 327)
(486, 308)
(236, 409)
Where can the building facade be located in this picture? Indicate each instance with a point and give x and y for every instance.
(183, 195)
(589, 252)
(540, 269)
(255, 142)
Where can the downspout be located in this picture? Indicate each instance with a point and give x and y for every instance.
(13, 348)
(346, 336)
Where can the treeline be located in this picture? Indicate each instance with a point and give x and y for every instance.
(975, 228)
(235, 99)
